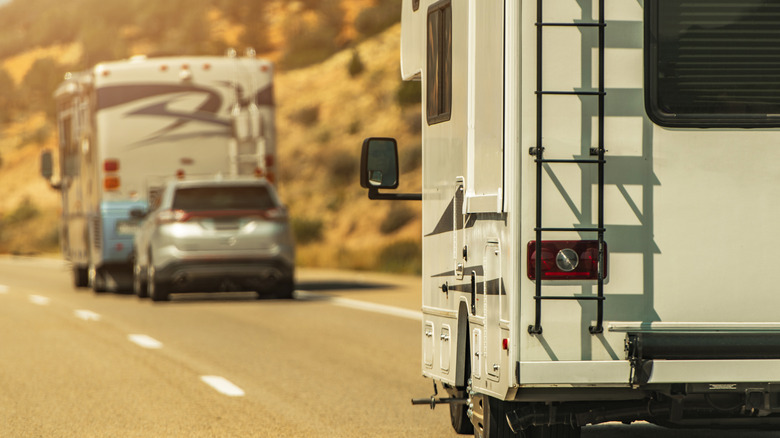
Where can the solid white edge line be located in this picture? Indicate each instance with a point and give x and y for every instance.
(145, 341)
(39, 300)
(86, 315)
(223, 386)
(366, 306)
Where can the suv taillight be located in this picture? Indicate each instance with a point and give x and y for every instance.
(170, 216)
(567, 260)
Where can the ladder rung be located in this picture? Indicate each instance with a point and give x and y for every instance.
(572, 24)
(572, 93)
(584, 230)
(573, 161)
(581, 298)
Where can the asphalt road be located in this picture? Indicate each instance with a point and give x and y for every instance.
(341, 360)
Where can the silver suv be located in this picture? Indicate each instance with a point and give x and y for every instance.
(211, 235)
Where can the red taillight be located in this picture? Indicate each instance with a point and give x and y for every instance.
(111, 165)
(111, 183)
(274, 214)
(567, 260)
(171, 216)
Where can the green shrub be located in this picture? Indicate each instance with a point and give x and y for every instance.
(404, 256)
(308, 116)
(343, 168)
(354, 127)
(324, 136)
(25, 211)
(398, 216)
(307, 46)
(371, 21)
(355, 66)
(306, 230)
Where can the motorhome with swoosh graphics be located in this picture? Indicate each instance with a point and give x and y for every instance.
(600, 202)
(128, 126)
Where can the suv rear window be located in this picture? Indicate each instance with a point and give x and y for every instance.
(713, 62)
(223, 198)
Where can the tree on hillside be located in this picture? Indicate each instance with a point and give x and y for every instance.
(255, 21)
(309, 43)
(40, 82)
(374, 20)
(8, 96)
(101, 43)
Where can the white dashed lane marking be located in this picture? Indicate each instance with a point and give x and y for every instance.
(145, 341)
(87, 315)
(365, 306)
(39, 300)
(223, 386)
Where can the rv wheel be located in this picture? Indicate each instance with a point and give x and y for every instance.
(489, 418)
(80, 276)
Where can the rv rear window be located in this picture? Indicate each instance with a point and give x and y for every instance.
(223, 198)
(439, 67)
(713, 63)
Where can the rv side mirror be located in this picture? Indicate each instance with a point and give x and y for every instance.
(379, 169)
(138, 213)
(379, 164)
(47, 169)
(47, 165)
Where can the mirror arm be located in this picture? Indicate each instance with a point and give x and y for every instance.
(55, 186)
(373, 193)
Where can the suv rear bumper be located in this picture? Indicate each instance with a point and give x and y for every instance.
(225, 274)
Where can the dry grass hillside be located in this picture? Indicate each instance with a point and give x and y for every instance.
(323, 114)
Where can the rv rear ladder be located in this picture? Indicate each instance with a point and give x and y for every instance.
(599, 160)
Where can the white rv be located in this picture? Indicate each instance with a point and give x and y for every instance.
(600, 206)
(127, 126)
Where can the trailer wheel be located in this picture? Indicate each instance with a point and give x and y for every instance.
(80, 276)
(157, 290)
(459, 417)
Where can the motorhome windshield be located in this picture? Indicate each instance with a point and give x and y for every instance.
(713, 62)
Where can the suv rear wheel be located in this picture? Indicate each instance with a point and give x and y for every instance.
(157, 290)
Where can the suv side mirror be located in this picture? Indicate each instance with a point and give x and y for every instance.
(379, 164)
(379, 169)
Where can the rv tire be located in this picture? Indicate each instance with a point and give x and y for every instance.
(99, 280)
(459, 417)
(80, 276)
(489, 417)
